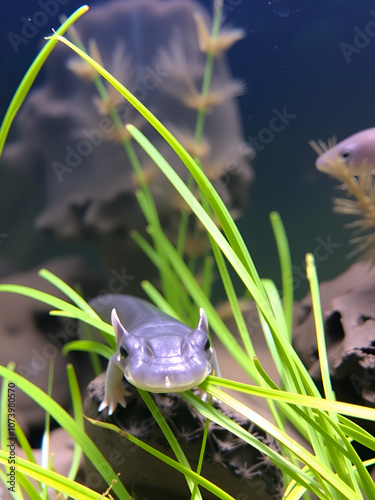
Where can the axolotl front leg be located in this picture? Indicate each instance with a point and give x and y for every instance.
(114, 392)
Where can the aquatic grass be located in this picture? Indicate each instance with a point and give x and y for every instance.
(77, 405)
(166, 459)
(171, 438)
(26, 468)
(75, 429)
(367, 413)
(143, 195)
(31, 74)
(219, 208)
(45, 460)
(63, 308)
(202, 452)
(285, 268)
(334, 469)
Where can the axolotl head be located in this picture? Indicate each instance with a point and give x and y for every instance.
(357, 151)
(165, 362)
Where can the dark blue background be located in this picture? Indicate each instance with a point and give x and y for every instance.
(291, 57)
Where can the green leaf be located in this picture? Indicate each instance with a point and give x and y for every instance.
(71, 426)
(164, 458)
(31, 74)
(53, 479)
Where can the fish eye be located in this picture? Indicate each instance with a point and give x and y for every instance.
(123, 352)
(345, 155)
(207, 345)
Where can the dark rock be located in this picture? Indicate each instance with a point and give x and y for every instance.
(32, 338)
(230, 463)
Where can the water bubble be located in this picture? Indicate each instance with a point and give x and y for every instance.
(279, 7)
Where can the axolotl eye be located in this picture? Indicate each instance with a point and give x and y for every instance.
(346, 155)
(123, 352)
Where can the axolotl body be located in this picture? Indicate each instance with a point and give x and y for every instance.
(154, 351)
(357, 151)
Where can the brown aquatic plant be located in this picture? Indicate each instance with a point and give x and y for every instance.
(216, 45)
(182, 85)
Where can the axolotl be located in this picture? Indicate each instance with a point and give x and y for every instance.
(357, 151)
(154, 351)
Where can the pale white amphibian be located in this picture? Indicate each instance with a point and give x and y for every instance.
(154, 352)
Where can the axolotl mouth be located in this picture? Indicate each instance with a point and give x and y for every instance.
(173, 374)
(173, 378)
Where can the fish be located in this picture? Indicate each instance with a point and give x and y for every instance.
(356, 152)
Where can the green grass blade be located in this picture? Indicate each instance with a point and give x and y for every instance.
(68, 291)
(286, 269)
(31, 74)
(354, 470)
(170, 437)
(237, 430)
(255, 289)
(205, 186)
(181, 304)
(69, 424)
(65, 309)
(357, 433)
(87, 346)
(161, 456)
(54, 480)
(233, 300)
(24, 444)
(319, 325)
(349, 409)
(75, 396)
(24, 482)
(321, 472)
(157, 298)
(195, 492)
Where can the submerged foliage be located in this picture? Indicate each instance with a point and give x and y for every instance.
(330, 468)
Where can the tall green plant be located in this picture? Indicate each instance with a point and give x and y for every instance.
(333, 470)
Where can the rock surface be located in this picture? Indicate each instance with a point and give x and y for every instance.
(233, 465)
(32, 338)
